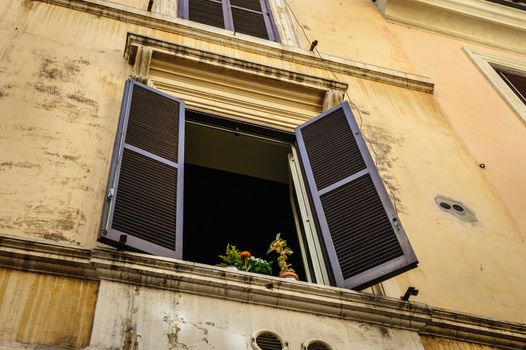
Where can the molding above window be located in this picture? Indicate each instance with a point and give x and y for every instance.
(215, 282)
(488, 63)
(231, 87)
(478, 21)
(262, 47)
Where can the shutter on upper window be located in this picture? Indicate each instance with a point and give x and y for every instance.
(365, 241)
(143, 208)
(207, 12)
(516, 82)
(252, 17)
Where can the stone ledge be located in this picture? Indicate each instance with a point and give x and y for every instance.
(246, 43)
(215, 282)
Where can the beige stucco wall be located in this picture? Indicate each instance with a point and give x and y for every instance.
(130, 317)
(62, 73)
(43, 309)
(494, 134)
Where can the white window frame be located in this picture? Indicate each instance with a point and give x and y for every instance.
(488, 63)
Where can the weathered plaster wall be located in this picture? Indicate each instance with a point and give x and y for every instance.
(469, 263)
(432, 343)
(62, 73)
(44, 309)
(493, 133)
(130, 317)
(353, 29)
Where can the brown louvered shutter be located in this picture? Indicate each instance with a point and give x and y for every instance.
(207, 12)
(516, 83)
(143, 208)
(252, 17)
(365, 241)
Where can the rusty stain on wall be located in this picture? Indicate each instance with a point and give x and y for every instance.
(46, 310)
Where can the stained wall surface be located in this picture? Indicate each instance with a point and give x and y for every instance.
(61, 77)
(43, 309)
(130, 317)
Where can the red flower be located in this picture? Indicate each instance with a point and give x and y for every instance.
(245, 254)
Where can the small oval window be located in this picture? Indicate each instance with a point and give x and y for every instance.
(267, 340)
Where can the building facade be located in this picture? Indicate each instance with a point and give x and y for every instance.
(384, 140)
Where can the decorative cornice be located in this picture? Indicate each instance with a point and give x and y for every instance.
(464, 19)
(135, 41)
(214, 282)
(246, 43)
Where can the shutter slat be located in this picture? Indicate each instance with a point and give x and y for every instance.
(333, 153)
(355, 215)
(250, 23)
(133, 201)
(248, 4)
(206, 12)
(159, 137)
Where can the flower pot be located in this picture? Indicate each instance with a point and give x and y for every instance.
(289, 275)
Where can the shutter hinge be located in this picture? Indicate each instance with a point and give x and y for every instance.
(111, 192)
(396, 224)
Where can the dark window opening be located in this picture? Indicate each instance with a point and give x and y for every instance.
(236, 191)
(518, 4)
(515, 82)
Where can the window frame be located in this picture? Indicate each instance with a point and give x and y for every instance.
(489, 64)
(183, 11)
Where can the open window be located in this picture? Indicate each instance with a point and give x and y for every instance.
(244, 183)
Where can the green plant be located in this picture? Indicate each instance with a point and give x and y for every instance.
(232, 257)
(258, 265)
(244, 261)
(279, 246)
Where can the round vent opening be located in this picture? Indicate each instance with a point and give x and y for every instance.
(266, 340)
(316, 344)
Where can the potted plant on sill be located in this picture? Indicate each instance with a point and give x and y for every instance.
(279, 246)
(244, 261)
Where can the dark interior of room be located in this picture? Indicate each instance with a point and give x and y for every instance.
(223, 207)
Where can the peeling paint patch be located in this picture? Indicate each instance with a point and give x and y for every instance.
(48, 222)
(381, 142)
(79, 97)
(46, 89)
(24, 165)
(4, 90)
(50, 70)
(130, 339)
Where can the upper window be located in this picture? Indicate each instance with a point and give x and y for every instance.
(507, 75)
(250, 17)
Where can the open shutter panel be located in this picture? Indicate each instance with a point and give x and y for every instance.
(365, 241)
(143, 209)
